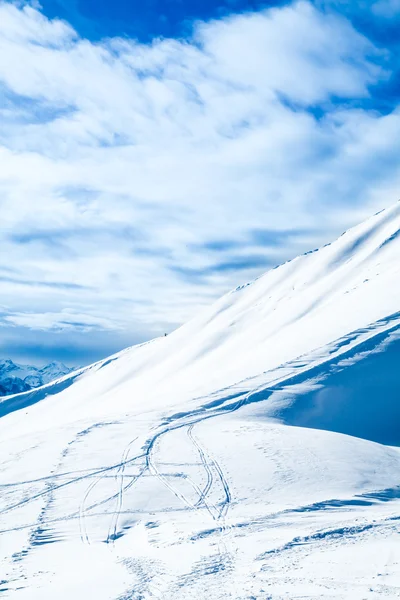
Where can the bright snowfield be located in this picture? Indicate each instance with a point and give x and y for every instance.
(252, 454)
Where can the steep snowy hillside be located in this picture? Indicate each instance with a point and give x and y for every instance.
(15, 378)
(253, 453)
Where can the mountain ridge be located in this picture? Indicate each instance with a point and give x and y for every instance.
(16, 378)
(252, 453)
(284, 313)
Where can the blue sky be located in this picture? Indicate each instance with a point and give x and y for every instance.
(155, 155)
(143, 20)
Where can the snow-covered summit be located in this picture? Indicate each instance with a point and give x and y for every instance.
(15, 378)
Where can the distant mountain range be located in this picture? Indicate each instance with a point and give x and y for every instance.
(16, 378)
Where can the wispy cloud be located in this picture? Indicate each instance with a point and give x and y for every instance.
(139, 181)
(66, 319)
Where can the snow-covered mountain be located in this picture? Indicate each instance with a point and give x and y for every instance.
(16, 378)
(254, 453)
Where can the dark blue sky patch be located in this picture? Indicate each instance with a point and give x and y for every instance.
(96, 19)
(385, 97)
(382, 31)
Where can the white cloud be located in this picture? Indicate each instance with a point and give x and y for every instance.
(120, 162)
(64, 320)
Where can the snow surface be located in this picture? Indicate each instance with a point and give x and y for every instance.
(252, 454)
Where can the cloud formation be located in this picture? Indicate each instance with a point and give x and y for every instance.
(140, 181)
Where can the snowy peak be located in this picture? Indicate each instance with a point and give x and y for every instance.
(54, 370)
(16, 378)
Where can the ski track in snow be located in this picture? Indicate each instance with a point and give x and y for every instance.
(170, 470)
(148, 460)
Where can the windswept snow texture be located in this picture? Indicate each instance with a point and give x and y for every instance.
(15, 378)
(252, 454)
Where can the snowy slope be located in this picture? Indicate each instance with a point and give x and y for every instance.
(221, 462)
(15, 378)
